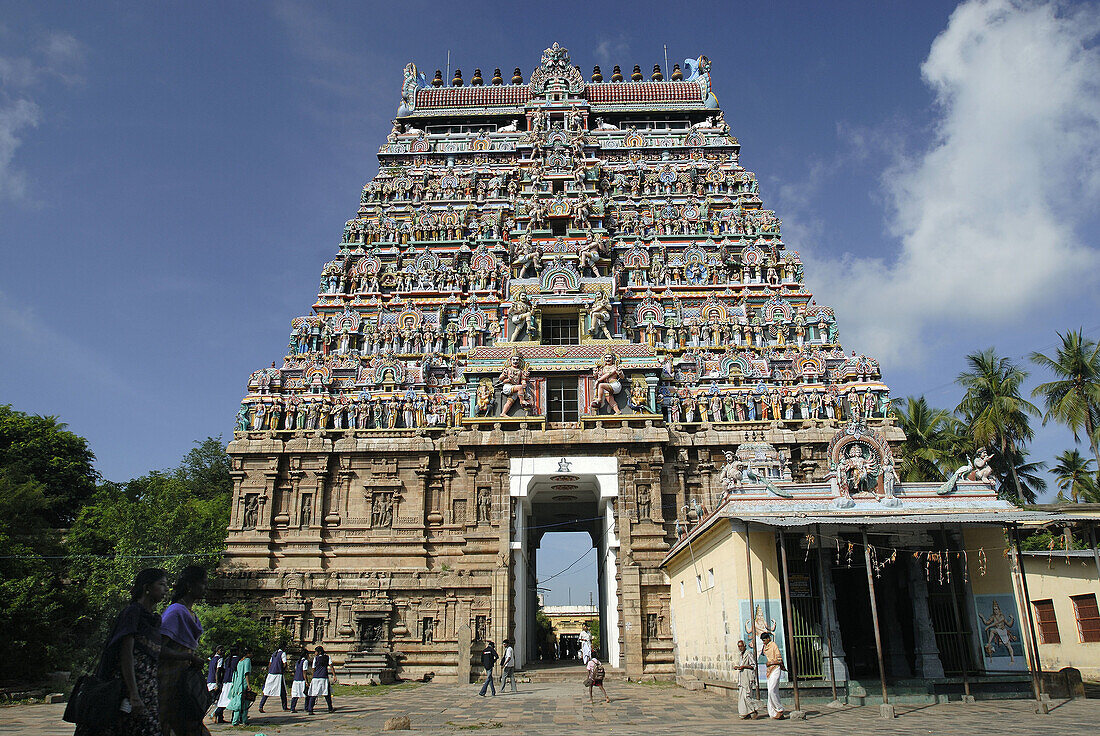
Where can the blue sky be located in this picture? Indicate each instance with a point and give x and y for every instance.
(173, 176)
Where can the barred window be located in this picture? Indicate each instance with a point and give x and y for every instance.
(1048, 623)
(561, 400)
(560, 331)
(1088, 617)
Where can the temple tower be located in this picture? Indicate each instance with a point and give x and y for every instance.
(559, 304)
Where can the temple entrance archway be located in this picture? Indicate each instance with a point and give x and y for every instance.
(564, 494)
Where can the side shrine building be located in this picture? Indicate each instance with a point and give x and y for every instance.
(562, 305)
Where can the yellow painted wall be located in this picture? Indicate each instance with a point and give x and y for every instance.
(998, 572)
(1057, 581)
(707, 625)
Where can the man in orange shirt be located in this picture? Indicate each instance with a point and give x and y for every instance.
(775, 671)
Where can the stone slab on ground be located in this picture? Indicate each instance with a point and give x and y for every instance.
(557, 709)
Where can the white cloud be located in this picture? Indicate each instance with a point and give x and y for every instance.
(987, 214)
(610, 51)
(15, 115)
(58, 56)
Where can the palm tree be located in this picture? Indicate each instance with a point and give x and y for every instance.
(1074, 398)
(929, 451)
(993, 409)
(1028, 478)
(1076, 477)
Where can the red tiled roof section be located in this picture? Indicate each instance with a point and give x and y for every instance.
(644, 92)
(519, 94)
(436, 97)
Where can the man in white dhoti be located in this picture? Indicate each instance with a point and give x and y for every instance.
(775, 671)
(275, 685)
(746, 679)
(586, 645)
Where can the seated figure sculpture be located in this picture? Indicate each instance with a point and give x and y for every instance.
(609, 381)
(516, 386)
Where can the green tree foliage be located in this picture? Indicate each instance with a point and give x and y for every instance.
(46, 474)
(168, 519)
(931, 450)
(1076, 477)
(1073, 398)
(232, 625)
(41, 449)
(1027, 478)
(593, 626)
(996, 415)
(35, 605)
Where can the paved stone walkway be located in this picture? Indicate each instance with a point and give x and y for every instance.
(556, 709)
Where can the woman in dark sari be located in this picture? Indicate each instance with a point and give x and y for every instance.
(181, 630)
(132, 654)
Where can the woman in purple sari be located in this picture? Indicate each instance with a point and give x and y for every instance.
(180, 631)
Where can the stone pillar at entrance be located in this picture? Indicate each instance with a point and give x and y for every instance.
(828, 590)
(926, 653)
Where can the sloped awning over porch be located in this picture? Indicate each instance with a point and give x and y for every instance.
(953, 516)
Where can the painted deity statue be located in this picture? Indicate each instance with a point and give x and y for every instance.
(729, 478)
(590, 254)
(982, 469)
(601, 315)
(516, 385)
(609, 381)
(854, 471)
(523, 317)
(484, 397)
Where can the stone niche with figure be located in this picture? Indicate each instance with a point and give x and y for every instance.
(861, 466)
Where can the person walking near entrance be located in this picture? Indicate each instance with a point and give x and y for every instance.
(775, 671)
(215, 672)
(586, 645)
(508, 665)
(319, 685)
(488, 661)
(746, 676)
(595, 678)
(229, 669)
(298, 688)
(275, 684)
(240, 693)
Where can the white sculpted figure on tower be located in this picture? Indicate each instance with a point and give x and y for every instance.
(515, 384)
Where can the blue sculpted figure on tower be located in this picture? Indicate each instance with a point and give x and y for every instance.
(699, 72)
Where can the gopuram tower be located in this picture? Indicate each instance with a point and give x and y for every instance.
(560, 304)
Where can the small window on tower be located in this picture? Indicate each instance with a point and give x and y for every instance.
(560, 330)
(561, 400)
(559, 227)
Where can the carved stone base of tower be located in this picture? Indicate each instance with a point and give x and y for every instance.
(422, 548)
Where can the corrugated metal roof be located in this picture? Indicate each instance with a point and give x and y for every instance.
(1060, 553)
(945, 517)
